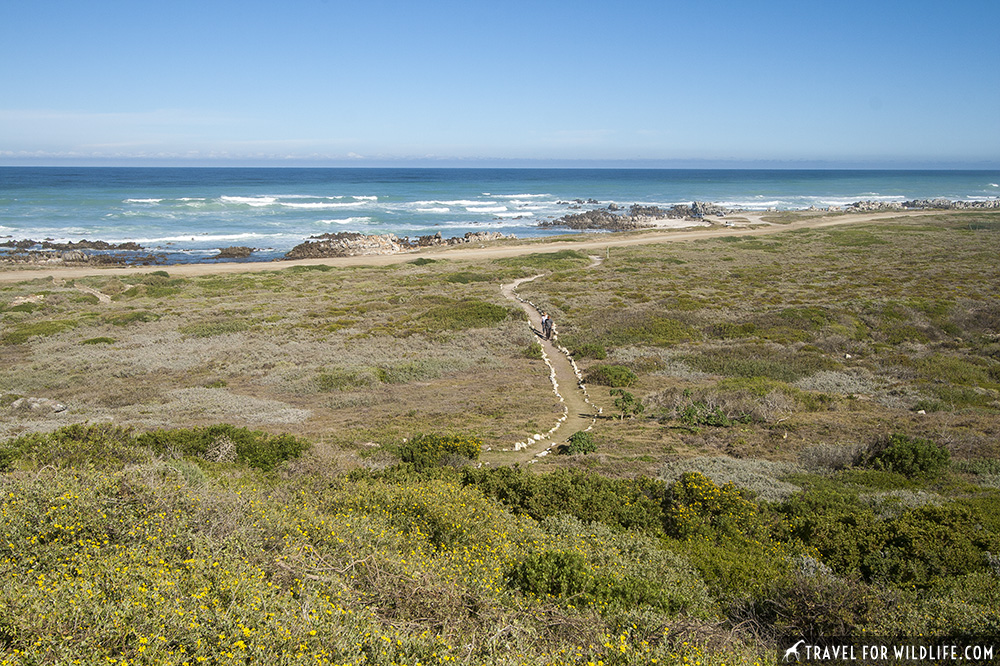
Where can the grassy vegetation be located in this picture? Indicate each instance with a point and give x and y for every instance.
(286, 563)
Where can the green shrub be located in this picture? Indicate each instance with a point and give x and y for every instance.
(208, 329)
(226, 443)
(580, 442)
(467, 277)
(99, 341)
(627, 404)
(589, 564)
(912, 457)
(461, 315)
(615, 376)
(551, 573)
(617, 503)
(553, 261)
(340, 379)
(700, 414)
(533, 351)
(696, 506)
(126, 318)
(591, 350)
(24, 332)
(425, 451)
(100, 445)
(8, 454)
(650, 330)
(760, 361)
(728, 330)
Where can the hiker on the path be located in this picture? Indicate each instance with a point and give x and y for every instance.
(546, 326)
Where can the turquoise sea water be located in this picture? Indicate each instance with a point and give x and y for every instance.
(189, 213)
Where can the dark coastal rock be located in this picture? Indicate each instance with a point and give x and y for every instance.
(921, 204)
(345, 244)
(469, 237)
(234, 252)
(103, 246)
(636, 217)
(946, 204)
(349, 244)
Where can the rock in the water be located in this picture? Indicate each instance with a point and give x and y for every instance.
(234, 252)
(345, 244)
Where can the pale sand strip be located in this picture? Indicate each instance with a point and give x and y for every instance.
(487, 252)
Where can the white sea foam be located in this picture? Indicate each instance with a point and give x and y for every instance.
(307, 196)
(456, 202)
(366, 198)
(319, 205)
(198, 238)
(516, 196)
(347, 220)
(994, 185)
(257, 201)
(516, 213)
(486, 209)
(142, 201)
(442, 209)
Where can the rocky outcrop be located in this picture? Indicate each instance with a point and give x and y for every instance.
(920, 204)
(873, 206)
(234, 252)
(636, 217)
(29, 251)
(103, 246)
(351, 244)
(945, 204)
(470, 237)
(345, 244)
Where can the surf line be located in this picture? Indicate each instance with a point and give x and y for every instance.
(549, 438)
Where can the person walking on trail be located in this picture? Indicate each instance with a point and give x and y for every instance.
(546, 326)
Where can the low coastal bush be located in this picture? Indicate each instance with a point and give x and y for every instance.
(461, 315)
(626, 403)
(426, 451)
(590, 350)
(211, 328)
(700, 414)
(21, 333)
(101, 446)
(552, 261)
(696, 506)
(227, 443)
(912, 457)
(580, 442)
(99, 341)
(615, 376)
(617, 503)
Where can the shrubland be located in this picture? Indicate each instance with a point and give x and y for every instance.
(816, 454)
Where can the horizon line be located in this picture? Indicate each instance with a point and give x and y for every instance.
(509, 163)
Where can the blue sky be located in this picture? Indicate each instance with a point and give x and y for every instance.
(327, 82)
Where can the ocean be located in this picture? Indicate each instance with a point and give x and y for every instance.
(188, 214)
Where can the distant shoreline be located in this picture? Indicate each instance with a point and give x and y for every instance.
(10, 272)
(613, 219)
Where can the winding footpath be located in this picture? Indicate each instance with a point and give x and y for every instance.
(567, 383)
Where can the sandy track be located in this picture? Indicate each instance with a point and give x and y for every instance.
(488, 252)
(579, 414)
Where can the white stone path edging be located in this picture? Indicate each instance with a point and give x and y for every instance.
(548, 438)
